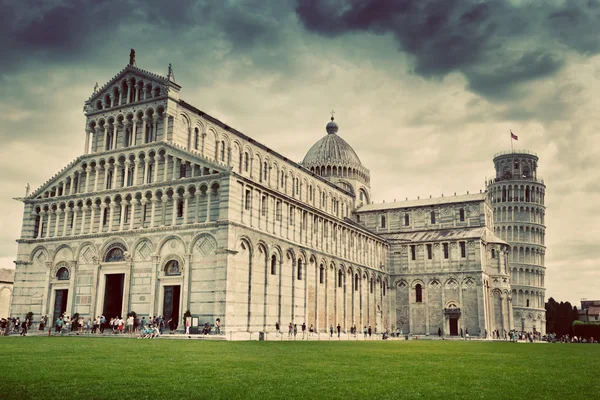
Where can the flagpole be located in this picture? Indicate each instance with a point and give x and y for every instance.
(511, 142)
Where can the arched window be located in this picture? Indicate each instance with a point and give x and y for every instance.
(419, 293)
(282, 178)
(150, 173)
(383, 221)
(299, 269)
(384, 287)
(462, 214)
(273, 265)
(222, 150)
(493, 253)
(196, 138)
(265, 170)
(406, 220)
(246, 161)
(115, 254)
(371, 286)
(433, 217)
(62, 274)
(172, 268)
(340, 278)
(527, 303)
(356, 282)
(179, 208)
(321, 274)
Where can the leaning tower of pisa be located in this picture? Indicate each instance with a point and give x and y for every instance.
(517, 196)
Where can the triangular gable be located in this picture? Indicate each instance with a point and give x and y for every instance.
(74, 165)
(128, 72)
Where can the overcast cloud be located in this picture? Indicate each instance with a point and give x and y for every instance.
(425, 91)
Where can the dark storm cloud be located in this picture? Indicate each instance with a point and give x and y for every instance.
(80, 30)
(496, 44)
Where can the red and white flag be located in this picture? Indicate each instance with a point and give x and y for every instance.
(513, 136)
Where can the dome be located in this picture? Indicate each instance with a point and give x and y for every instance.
(331, 150)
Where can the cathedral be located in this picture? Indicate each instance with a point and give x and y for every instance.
(171, 212)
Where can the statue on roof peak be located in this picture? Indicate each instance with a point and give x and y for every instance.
(132, 57)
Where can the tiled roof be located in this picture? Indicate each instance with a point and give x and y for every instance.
(424, 202)
(594, 310)
(7, 275)
(446, 234)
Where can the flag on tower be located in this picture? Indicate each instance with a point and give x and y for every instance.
(513, 136)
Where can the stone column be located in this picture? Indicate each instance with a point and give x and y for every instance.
(87, 141)
(155, 128)
(58, 212)
(208, 196)
(74, 227)
(144, 129)
(83, 213)
(92, 217)
(134, 132)
(50, 213)
(155, 170)
(68, 213)
(114, 177)
(105, 139)
(124, 204)
(174, 201)
(153, 213)
(132, 213)
(87, 179)
(166, 169)
(174, 175)
(145, 177)
(128, 92)
(186, 198)
(115, 134)
(111, 215)
(126, 172)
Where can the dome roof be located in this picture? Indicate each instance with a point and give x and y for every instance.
(332, 150)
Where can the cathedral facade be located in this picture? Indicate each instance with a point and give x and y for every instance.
(171, 212)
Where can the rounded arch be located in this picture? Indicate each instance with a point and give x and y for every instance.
(168, 238)
(64, 252)
(39, 255)
(168, 268)
(244, 240)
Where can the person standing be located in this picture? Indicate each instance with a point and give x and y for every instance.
(365, 331)
(187, 325)
(370, 331)
(339, 329)
(330, 330)
(439, 332)
(290, 329)
(277, 328)
(24, 328)
(295, 331)
(303, 330)
(218, 326)
(130, 325)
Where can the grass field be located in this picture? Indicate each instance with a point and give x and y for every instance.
(90, 368)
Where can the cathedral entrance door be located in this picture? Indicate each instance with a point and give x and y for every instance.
(113, 296)
(171, 304)
(453, 326)
(60, 303)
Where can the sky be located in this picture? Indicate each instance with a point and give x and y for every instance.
(425, 91)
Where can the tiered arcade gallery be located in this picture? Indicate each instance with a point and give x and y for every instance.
(170, 210)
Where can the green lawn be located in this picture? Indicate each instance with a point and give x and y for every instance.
(89, 368)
